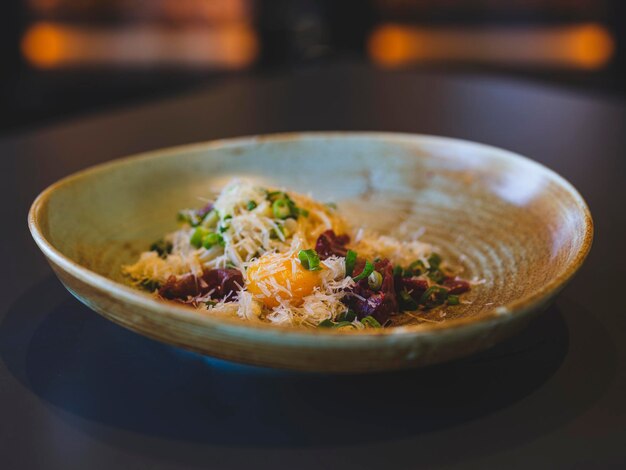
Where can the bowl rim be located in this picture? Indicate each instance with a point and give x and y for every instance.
(241, 328)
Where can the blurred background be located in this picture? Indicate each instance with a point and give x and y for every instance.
(66, 58)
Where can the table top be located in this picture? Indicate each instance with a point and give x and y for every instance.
(77, 391)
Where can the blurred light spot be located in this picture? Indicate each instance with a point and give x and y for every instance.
(583, 46)
(43, 45)
(593, 46)
(183, 11)
(203, 10)
(230, 46)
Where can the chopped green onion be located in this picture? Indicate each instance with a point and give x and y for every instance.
(453, 300)
(277, 232)
(331, 205)
(273, 195)
(367, 270)
(281, 208)
(436, 276)
(210, 219)
(440, 294)
(162, 248)
(348, 316)
(222, 226)
(331, 324)
(406, 301)
(350, 262)
(417, 267)
(309, 260)
(189, 216)
(251, 205)
(370, 322)
(286, 231)
(150, 284)
(434, 260)
(212, 239)
(197, 236)
(375, 280)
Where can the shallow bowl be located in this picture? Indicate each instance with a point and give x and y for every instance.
(516, 227)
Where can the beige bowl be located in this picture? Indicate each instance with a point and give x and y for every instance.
(512, 223)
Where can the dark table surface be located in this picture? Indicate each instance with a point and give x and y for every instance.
(77, 391)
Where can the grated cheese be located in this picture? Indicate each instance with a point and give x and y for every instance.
(251, 234)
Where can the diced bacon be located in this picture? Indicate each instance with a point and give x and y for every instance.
(381, 304)
(456, 285)
(329, 244)
(222, 282)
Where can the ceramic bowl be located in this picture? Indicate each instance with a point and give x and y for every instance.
(516, 226)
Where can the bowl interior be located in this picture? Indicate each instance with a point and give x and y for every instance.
(512, 224)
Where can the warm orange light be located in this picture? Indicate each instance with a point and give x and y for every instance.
(43, 45)
(593, 46)
(238, 44)
(586, 46)
(230, 46)
(391, 45)
(215, 11)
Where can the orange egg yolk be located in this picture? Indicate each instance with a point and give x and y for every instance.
(274, 276)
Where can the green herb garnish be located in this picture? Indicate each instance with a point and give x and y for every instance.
(406, 301)
(149, 284)
(197, 236)
(417, 267)
(367, 270)
(348, 316)
(375, 280)
(309, 260)
(370, 322)
(273, 195)
(281, 209)
(212, 239)
(434, 295)
(350, 262)
(210, 219)
(436, 276)
(162, 247)
(189, 216)
(331, 324)
(434, 260)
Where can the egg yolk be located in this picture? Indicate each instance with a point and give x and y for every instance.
(274, 276)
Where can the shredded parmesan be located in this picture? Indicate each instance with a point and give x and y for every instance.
(250, 231)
